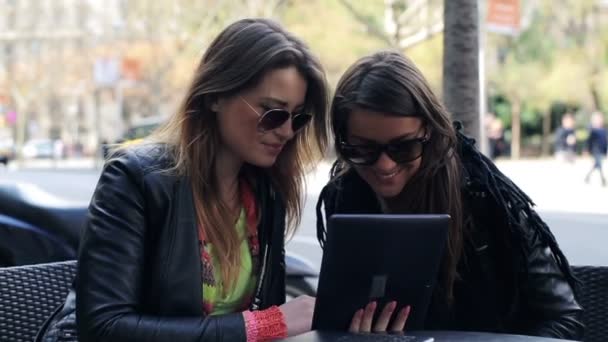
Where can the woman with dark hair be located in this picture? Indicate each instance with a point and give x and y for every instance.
(185, 234)
(502, 270)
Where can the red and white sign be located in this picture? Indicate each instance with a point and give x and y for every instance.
(504, 16)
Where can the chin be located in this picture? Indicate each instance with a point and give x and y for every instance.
(263, 161)
(388, 192)
(393, 189)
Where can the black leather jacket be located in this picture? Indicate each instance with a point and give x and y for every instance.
(522, 290)
(139, 270)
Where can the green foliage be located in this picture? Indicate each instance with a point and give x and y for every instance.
(428, 57)
(501, 107)
(332, 33)
(558, 63)
(531, 45)
(558, 57)
(531, 120)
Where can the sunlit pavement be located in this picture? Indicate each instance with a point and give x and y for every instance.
(83, 164)
(559, 186)
(552, 185)
(576, 212)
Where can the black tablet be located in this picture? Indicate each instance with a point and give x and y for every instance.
(381, 258)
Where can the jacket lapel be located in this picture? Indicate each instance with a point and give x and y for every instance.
(185, 267)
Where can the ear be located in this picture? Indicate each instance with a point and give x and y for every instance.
(215, 105)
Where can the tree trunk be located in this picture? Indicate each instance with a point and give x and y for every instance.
(515, 129)
(546, 133)
(595, 95)
(461, 63)
(20, 132)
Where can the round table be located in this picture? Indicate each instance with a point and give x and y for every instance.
(439, 336)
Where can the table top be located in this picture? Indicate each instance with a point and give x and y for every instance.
(438, 336)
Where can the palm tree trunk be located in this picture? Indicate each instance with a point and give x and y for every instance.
(515, 129)
(461, 63)
(595, 95)
(546, 133)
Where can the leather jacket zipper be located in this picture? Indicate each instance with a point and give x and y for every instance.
(257, 300)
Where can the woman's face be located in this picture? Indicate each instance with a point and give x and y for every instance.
(238, 116)
(386, 177)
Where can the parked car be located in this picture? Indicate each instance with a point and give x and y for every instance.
(7, 151)
(41, 148)
(142, 128)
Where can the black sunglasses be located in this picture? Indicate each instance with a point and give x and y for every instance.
(401, 152)
(275, 118)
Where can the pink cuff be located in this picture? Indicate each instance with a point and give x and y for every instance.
(265, 325)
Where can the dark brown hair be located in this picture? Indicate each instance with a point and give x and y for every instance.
(234, 62)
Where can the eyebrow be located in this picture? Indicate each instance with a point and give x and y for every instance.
(281, 103)
(399, 138)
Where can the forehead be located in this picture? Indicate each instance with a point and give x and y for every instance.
(285, 84)
(381, 127)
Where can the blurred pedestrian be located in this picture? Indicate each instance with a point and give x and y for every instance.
(496, 137)
(565, 139)
(597, 145)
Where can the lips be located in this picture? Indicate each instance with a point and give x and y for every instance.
(273, 148)
(384, 177)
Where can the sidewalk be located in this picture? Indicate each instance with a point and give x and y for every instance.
(51, 164)
(552, 185)
(558, 186)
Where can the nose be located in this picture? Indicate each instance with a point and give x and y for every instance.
(285, 131)
(385, 163)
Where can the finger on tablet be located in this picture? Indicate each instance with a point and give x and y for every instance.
(385, 317)
(399, 322)
(368, 317)
(355, 323)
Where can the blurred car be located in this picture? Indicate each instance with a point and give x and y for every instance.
(41, 148)
(7, 151)
(135, 133)
(142, 128)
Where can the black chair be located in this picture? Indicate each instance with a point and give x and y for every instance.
(593, 297)
(29, 295)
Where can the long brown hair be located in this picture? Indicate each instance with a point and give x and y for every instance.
(389, 82)
(236, 61)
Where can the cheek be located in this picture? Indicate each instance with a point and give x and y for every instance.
(409, 170)
(413, 167)
(237, 132)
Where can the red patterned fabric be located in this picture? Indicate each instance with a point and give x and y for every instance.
(208, 278)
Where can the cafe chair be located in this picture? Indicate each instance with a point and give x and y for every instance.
(29, 295)
(592, 295)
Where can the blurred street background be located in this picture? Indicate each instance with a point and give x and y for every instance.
(576, 212)
(76, 75)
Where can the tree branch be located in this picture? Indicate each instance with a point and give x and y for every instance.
(372, 29)
(412, 10)
(420, 36)
(278, 5)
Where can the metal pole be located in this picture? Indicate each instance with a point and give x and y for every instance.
(98, 158)
(483, 138)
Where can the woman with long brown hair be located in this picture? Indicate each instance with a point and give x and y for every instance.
(398, 152)
(185, 233)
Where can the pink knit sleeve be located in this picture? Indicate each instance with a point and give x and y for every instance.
(265, 325)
